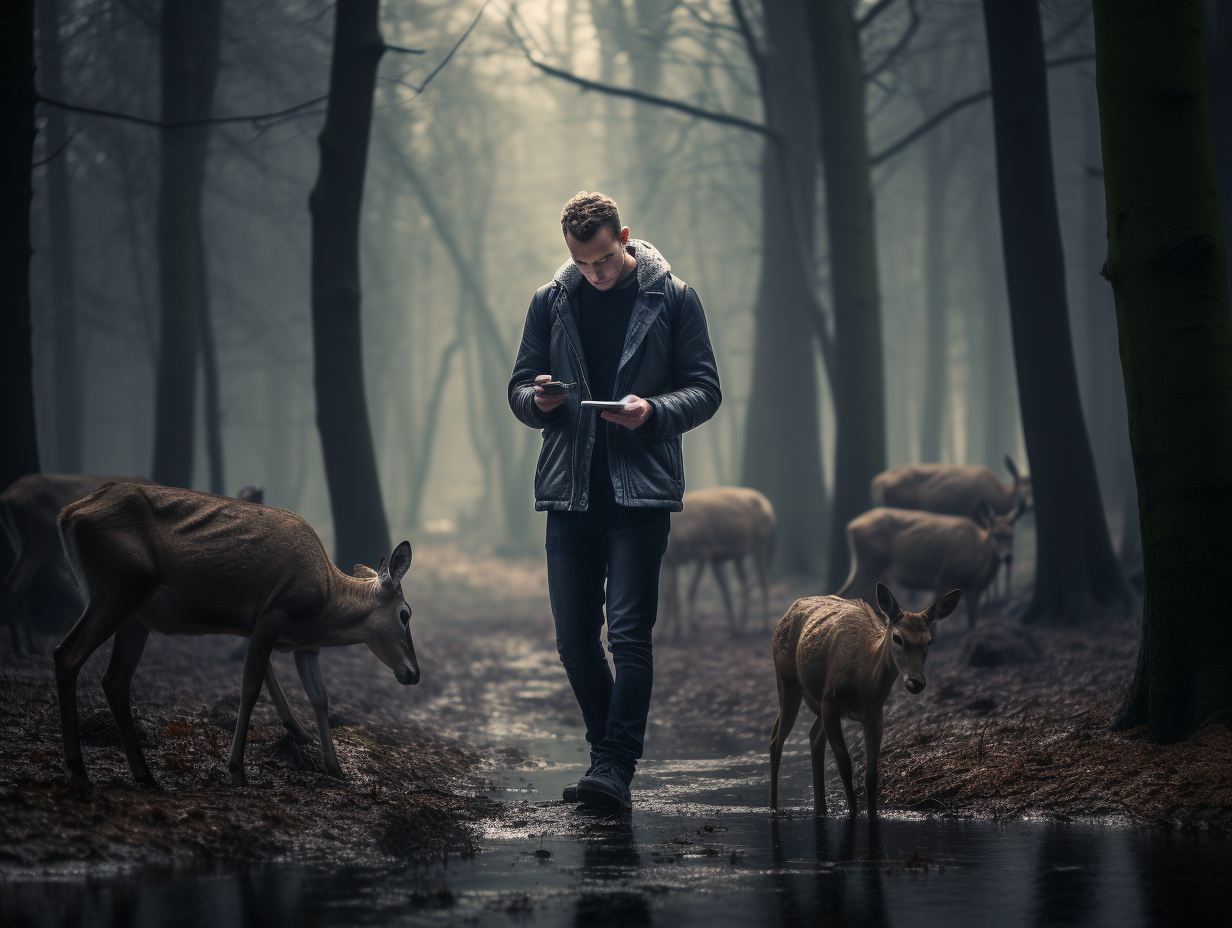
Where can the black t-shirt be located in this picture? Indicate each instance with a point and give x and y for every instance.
(603, 320)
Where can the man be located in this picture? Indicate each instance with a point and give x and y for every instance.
(613, 323)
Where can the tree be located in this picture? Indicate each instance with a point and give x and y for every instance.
(782, 445)
(190, 33)
(857, 375)
(1166, 262)
(19, 454)
(60, 223)
(361, 533)
(1076, 570)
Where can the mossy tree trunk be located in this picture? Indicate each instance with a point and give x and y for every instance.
(361, 533)
(1077, 574)
(858, 377)
(1167, 266)
(19, 454)
(189, 36)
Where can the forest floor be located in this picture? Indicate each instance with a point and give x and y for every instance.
(1025, 740)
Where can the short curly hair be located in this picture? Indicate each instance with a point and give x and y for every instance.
(586, 213)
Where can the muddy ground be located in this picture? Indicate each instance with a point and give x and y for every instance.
(993, 742)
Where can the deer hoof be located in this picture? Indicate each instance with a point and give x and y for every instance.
(238, 778)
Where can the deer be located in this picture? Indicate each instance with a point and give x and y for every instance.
(842, 658)
(718, 525)
(928, 551)
(181, 562)
(28, 509)
(952, 489)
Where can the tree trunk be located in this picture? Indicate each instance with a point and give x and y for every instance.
(782, 438)
(190, 33)
(1076, 570)
(361, 533)
(1218, 43)
(60, 224)
(1000, 432)
(1168, 270)
(858, 379)
(936, 340)
(19, 454)
(209, 368)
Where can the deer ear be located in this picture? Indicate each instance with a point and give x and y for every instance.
(400, 562)
(1011, 467)
(364, 572)
(887, 603)
(942, 607)
(382, 573)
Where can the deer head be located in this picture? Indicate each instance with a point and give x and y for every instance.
(387, 628)
(910, 635)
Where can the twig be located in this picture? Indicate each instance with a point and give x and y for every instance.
(17, 96)
(899, 46)
(52, 156)
(183, 124)
(456, 46)
(877, 9)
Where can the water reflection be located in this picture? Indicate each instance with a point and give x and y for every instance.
(610, 854)
(1066, 876)
(844, 887)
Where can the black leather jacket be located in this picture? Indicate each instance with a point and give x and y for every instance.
(667, 360)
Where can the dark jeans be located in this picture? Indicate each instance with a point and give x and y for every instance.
(623, 546)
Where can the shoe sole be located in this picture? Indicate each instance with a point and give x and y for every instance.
(589, 796)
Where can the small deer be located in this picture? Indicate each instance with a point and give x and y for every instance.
(842, 658)
(178, 561)
(718, 525)
(952, 489)
(928, 551)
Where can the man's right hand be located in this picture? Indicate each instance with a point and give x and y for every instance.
(547, 403)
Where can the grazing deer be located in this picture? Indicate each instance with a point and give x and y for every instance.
(28, 509)
(178, 561)
(928, 551)
(842, 658)
(952, 489)
(718, 525)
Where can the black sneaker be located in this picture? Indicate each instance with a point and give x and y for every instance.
(607, 787)
(570, 793)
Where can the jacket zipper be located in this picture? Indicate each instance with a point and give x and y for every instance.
(582, 376)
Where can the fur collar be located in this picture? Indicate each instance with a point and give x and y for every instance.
(652, 267)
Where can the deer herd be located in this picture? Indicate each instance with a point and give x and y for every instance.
(147, 557)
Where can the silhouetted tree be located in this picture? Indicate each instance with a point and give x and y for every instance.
(361, 532)
(67, 382)
(1167, 266)
(190, 31)
(857, 375)
(19, 453)
(1218, 46)
(1076, 570)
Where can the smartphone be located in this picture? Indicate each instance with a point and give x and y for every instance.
(604, 404)
(554, 388)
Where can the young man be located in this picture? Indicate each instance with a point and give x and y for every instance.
(613, 324)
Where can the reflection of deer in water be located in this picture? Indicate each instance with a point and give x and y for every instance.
(842, 658)
(177, 561)
(718, 525)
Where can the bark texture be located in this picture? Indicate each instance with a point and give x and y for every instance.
(782, 450)
(361, 533)
(19, 454)
(1167, 265)
(858, 375)
(190, 33)
(60, 225)
(1077, 574)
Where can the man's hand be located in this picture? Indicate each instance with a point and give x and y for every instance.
(547, 403)
(636, 411)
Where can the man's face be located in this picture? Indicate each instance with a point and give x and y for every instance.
(602, 259)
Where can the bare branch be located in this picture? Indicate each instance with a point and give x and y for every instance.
(456, 46)
(182, 124)
(55, 154)
(899, 46)
(407, 51)
(877, 9)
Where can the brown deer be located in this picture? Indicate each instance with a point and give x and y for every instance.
(718, 525)
(28, 510)
(842, 658)
(178, 561)
(928, 551)
(952, 489)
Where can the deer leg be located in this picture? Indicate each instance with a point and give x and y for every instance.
(265, 633)
(100, 621)
(126, 648)
(738, 567)
(720, 577)
(789, 707)
(762, 555)
(834, 732)
(872, 750)
(691, 612)
(307, 662)
(285, 712)
(817, 752)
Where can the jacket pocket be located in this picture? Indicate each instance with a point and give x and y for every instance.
(552, 478)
